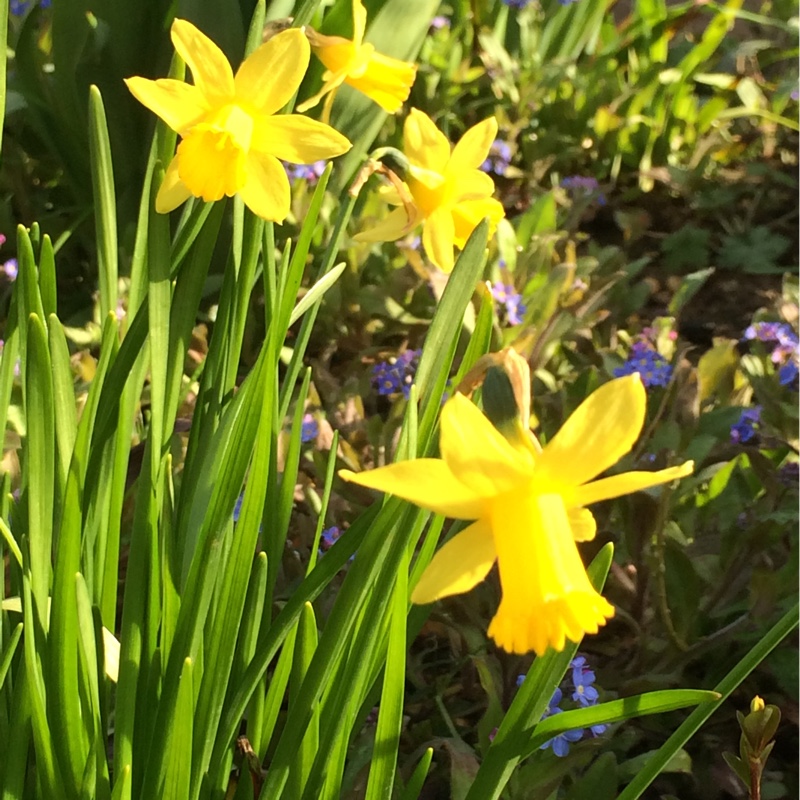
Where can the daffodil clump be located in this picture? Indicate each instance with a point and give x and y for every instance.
(355, 62)
(449, 194)
(231, 134)
(529, 506)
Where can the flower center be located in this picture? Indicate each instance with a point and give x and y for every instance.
(212, 157)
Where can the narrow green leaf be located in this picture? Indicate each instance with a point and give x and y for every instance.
(160, 301)
(3, 49)
(179, 743)
(390, 717)
(305, 646)
(88, 652)
(615, 711)
(275, 694)
(122, 784)
(442, 339)
(417, 779)
(46, 760)
(306, 326)
(47, 277)
(40, 462)
(316, 292)
(105, 203)
(8, 653)
(66, 423)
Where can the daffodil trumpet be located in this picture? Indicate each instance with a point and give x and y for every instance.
(528, 507)
(232, 136)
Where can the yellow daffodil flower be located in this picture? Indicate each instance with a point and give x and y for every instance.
(529, 504)
(385, 80)
(231, 138)
(449, 194)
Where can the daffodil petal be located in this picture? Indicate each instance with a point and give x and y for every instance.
(395, 225)
(179, 104)
(628, 482)
(428, 482)
(438, 239)
(359, 22)
(330, 85)
(600, 431)
(211, 71)
(473, 147)
(386, 80)
(266, 191)
(460, 565)
(582, 524)
(547, 595)
(477, 453)
(472, 184)
(268, 78)
(298, 139)
(468, 213)
(173, 191)
(423, 143)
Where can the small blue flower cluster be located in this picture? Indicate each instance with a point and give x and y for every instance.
(499, 158)
(785, 348)
(510, 300)
(20, 7)
(310, 173)
(652, 367)
(580, 186)
(396, 374)
(310, 429)
(10, 269)
(517, 3)
(746, 429)
(584, 694)
(329, 537)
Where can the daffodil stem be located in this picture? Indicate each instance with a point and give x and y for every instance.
(665, 398)
(446, 717)
(661, 571)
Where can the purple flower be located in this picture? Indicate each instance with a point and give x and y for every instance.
(778, 333)
(510, 301)
(582, 187)
(582, 680)
(310, 173)
(652, 367)
(788, 374)
(747, 427)
(397, 374)
(560, 744)
(517, 3)
(20, 7)
(439, 22)
(330, 536)
(499, 158)
(237, 509)
(11, 269)
(310, 429)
